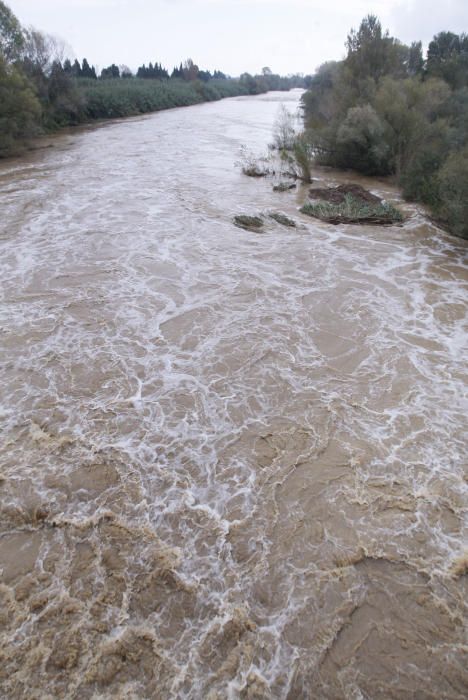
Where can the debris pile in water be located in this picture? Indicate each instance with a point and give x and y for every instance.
(337, 195)
(249, 223)
(284, 186)
(350, 204)
(282, 219)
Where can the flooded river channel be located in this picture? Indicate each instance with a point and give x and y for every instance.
(233, 464)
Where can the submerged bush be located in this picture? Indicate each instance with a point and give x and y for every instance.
(250, 223)
(282, 219)
(303, 154)
(352, 210)
(252, 165)
(284, 132)
(284, 186)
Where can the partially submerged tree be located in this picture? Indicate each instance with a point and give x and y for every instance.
(284, 131)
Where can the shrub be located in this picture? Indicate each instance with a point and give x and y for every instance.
(282, 219)
(250, 223)
(452, 182)
(361, 141)
(303, 154)
(284, 132)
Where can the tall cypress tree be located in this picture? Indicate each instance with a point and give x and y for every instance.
(76, 69)
(88, 71)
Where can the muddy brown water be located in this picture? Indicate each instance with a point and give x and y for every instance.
(233, 464)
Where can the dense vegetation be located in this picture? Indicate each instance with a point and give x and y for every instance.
(387, 110)
(40, 91)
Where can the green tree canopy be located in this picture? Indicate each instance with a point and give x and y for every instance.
(20, 110)
(12, 38)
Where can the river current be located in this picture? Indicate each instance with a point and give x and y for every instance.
(233, 464)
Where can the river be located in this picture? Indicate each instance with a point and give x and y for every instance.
(233, 463)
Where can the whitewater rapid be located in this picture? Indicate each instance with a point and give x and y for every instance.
(233, 465)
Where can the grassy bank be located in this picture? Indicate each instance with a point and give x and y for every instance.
(120, 98)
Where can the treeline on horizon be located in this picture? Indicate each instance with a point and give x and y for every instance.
(42, 91)
(387, 109)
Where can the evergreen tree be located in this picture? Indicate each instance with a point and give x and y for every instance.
(447, 58)
(65, 105)
(76, 69)
(415, 59)
(88, 71)
(112, 71)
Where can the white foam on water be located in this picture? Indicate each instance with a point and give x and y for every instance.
(267, 420)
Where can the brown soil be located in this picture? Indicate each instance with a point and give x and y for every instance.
(336, 195)
(374, 220)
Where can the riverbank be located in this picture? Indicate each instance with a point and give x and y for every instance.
(41, 95)
(397, 117)
(97, 101)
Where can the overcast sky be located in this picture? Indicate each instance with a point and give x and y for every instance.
(231, 35)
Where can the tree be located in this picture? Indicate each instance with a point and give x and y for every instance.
(20, 111)
(76, 69)
(284, 132)
(453, 192)
(112, 71)
(43, 49)
(190, 70)
(11, 34)
(88, 71)
(125, 71)
(373, 53)
(65, 104)
(447, 58)
(415, 59)
(250, 83)
(366, 48)
(361, 143)
(442, 48)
